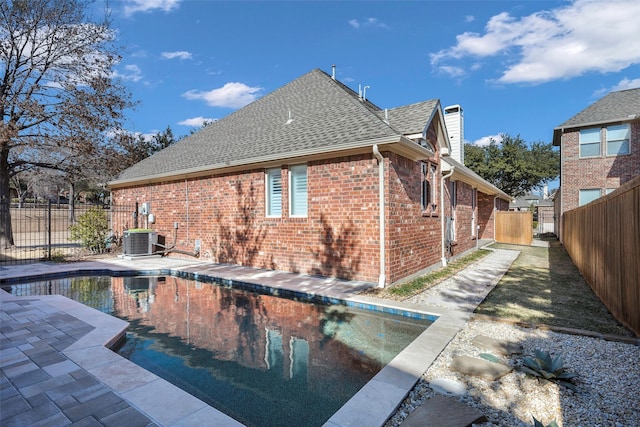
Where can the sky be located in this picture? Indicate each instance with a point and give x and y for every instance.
(515, 67)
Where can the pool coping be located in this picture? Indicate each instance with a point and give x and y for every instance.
(169, 405)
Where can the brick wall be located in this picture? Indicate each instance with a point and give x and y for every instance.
(339, 236)
(605, 172)
(463, 218)
(413, 236)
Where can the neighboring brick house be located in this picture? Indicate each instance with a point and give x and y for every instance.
(312, 178)
(599, 150)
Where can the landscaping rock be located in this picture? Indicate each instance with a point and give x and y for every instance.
(497, 345)
(441, 411)
(479, 367)
(448, 387)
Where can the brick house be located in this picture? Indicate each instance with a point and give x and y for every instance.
(314, 178)
(599, 150)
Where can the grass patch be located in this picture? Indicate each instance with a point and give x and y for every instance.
(543, 286)
(402, 291)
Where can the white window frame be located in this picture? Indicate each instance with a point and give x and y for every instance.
(614, 131)
(271, 210)
(586, 139)
(583, 192)
(295, 195)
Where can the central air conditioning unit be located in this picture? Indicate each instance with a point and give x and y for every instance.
(139, 242)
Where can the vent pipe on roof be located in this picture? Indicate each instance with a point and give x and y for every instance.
(333, 71)
(386, 116)
(364, 93)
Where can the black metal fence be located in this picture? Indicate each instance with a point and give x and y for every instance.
(42, 232)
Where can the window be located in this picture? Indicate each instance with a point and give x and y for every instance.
(274, 192)
(588, 195)
(425, 197)
(298, 190)
(590, 142)
(618, 140)
(428, 193)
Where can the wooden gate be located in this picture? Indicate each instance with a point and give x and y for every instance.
(514, 227)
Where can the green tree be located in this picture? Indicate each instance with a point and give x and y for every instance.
(132, 148)
(58, 97)
(512, 165)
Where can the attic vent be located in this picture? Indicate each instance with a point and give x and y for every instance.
(290, 119)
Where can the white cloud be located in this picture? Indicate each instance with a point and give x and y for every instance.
(131, 73)
(469, 18)
(196, 121)
(452, 71)
(134, 6)
(627, 84)
(486, 140)
(180, 54)
(231, 95)
(585, 36)
(368, 22)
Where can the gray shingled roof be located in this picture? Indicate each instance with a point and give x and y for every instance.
(326, 116)
(618, 106)
(410, 119)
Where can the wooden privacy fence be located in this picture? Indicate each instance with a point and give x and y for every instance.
(514, 227)
(603, 240)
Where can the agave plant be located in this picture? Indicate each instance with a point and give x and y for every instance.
(537, 423)
(549, 368)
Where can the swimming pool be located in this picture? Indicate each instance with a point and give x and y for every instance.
(261, 359)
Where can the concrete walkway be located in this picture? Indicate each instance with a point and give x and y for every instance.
(57, 371)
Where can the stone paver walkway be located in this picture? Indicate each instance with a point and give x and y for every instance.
(39, 385)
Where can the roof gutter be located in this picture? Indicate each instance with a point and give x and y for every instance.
(382, 277)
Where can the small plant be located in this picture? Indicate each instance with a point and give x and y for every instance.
(58, 256)
(91, 230)
(549, 368)
(537, 423)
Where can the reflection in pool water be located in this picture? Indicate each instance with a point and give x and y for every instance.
(262, 360)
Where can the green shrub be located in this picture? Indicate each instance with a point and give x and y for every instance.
(91, 230)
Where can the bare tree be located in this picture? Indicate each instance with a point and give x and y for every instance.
(58, 98)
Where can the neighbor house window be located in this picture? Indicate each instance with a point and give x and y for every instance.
(588, 195)
(298, 190)
(274, 192)
(590, 142)
(618, 140)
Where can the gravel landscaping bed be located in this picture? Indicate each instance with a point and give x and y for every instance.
(608, 381)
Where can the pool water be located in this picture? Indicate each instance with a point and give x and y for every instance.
(261, 359)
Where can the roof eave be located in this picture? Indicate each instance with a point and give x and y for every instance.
(395, 143)
(558, 131)
(464, 174)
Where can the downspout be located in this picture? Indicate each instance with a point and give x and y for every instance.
(442, 217)
(382, 277)
(495, 210)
